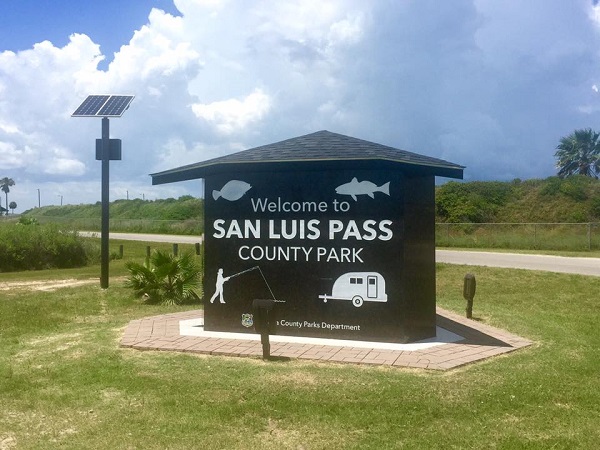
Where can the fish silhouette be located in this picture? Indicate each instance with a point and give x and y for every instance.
(355, 187)
(233, 190)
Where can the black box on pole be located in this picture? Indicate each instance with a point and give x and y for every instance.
(114, 152)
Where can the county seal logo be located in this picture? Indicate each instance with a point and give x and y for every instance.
(247, 320)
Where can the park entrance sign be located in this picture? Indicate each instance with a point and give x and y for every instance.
(339, 231)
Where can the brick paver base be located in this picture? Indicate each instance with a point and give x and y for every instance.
(480, 342)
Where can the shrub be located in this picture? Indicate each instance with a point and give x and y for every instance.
(43, 247)
(167, 279)
(471, 202)
(576, 187)
(23, 220)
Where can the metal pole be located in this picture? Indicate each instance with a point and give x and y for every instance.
(105, 200)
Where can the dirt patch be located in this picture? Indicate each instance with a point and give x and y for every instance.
(44, 285)
(7, 442)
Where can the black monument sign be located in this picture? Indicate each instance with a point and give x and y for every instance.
(337, 231)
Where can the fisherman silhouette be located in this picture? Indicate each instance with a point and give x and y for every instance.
(219, 286)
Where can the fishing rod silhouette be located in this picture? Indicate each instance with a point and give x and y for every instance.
(221, 280)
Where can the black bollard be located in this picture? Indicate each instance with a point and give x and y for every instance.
(175, 249)
(263, 323)
(197, 245)
(469, 293)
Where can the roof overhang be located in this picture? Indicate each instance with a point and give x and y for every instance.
(197, 171)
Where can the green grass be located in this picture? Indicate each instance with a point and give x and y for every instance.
(579, 237)
(65, 383)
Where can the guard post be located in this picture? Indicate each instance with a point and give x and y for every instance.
(263, 323)
(469, 293)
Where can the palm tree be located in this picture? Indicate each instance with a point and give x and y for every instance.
(5, 184)
(579, 153)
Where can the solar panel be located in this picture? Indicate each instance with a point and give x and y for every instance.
(90, 106)
(103, 106)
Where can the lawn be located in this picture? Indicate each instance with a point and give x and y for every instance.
(65, 383)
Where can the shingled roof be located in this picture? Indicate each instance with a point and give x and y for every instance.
(323, 147)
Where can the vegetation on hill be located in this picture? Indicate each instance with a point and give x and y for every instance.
(571, 199)
(558, 200)
(183, 208)
(184, 215)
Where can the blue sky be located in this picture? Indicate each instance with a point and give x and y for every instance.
(490, 85)
(110, 23)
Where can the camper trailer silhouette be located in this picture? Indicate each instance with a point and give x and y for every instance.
(358, 287)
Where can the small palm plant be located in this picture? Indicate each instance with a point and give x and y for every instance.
(167, 279)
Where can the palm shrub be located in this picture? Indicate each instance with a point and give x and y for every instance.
(167, 279)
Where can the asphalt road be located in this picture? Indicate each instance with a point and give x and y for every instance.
(169, 238)
(582, 266)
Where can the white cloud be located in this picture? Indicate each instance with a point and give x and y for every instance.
(158, 50)
(8, 128)
(10, 156)
(233, 115)
(64, 166)
(347, 31)
(175, 153)
(595, 13)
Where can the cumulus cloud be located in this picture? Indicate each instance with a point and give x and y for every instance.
(491, 85)
(65, 166)
(158, 50)
(229, 116)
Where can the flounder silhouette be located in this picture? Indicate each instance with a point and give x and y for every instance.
(233, 190)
